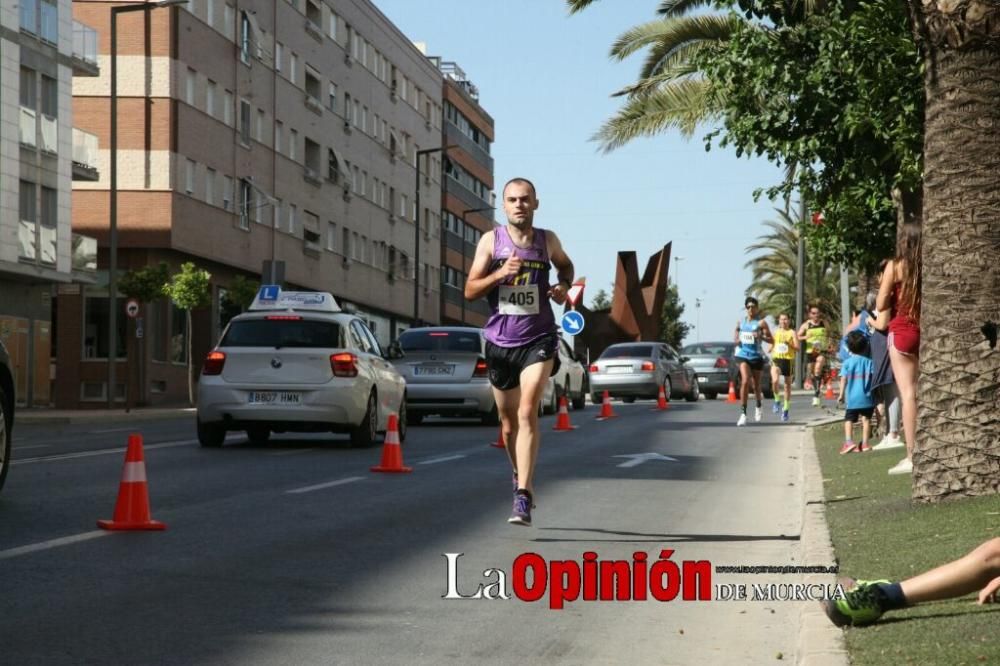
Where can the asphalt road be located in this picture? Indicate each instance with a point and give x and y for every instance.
(294, 553)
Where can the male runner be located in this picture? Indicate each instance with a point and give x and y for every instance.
(813, 333)
(511, 268)
(750, 332)
(782, 362)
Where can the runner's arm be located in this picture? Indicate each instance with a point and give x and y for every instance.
(765, 333)
(481, 280)
(736, 335)
(799, 334)
(564, 267)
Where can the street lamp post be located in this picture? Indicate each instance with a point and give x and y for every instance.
(697, 311)
(113, 184)
(416, 235)
(677, 274)
(464, 223)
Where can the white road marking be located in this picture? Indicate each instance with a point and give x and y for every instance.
(31, 446)
(639, 458)
(105, 452)
(321, 486)
(433, 461)
(101, 432)
(52, 543)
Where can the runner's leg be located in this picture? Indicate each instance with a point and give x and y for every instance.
(507, 402)
(533, 379)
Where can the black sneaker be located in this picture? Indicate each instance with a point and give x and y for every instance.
(521, 513)
(514, 483)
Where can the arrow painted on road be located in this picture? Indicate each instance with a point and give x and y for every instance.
(639, 458)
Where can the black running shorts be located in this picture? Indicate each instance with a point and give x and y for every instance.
(756, 364)
(506, 363)
(853, 414)
(784, 365)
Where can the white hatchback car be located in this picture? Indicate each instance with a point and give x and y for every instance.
(295, 362)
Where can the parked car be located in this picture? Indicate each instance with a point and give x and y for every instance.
(7, 400)
(298, 363)
(712, 362)
(633, 370)
(572, 379)
(445, 372)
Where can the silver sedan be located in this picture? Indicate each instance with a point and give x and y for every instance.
(633, 370)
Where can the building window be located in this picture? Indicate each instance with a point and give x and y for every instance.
(314, 14)
(210, 13)
(292, 213)
(245, 38)
(95, 328)
(312, 156)
(50, 96)
(210, 98)
(49, 224)
(189, 170)
(227, 192)
(313, 85)
(246, 204)
(189, 82)
(210, 186)
(27, 231)
(261, 120)
(245, 122)
(279, 55)
(293, 142)
(345, 243)
(277, 211)
(331, 99)
(227, 108)
(293, 66)
(279, 129)
(331, 236)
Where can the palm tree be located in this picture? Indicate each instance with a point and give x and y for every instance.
(958, 446)
(773, 267)
(671, 93)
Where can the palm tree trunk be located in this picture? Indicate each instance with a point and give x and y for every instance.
(958, 449)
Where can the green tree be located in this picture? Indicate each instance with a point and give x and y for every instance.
(773, 273)
(600, 301)
(242, 290)
(672, 329)
(189, 289)
(145, 284)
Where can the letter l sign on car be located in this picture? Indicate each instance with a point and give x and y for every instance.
(572, 322)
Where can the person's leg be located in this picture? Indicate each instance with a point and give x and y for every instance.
(744, 383)
(775, 383)
(893, 411)
(533, 379)
(866, 431)
(905, 369)
(757, 386)
(955, 579)
(788, 391)
(507, 402)
(848, 431)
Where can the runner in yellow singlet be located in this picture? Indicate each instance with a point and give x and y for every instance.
(782, 361)
(813, 334)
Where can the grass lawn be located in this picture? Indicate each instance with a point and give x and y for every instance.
(879, 533)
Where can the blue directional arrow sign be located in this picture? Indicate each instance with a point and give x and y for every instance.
(572, 322)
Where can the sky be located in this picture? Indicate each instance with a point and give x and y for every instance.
(546, 79)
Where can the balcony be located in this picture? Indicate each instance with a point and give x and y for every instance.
(28, 127)
(50, 133)
(455, 136)
(464, 194)
(85, 51)
(84, 156)
(313, 104)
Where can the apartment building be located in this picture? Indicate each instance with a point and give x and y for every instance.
(254, 131)
(467, 197)
(41, 49)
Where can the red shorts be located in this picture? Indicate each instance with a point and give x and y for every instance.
(905, 340)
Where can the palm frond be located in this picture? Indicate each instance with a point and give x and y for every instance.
(681, 7)
(683, 69)
(681, 105)
(576, 6)
(681, 35)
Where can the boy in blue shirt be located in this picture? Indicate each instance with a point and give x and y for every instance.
(857, 372)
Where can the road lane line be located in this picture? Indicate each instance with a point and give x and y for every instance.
(101, 432)
(105, 452)
(52, 543)
(32, 446)
(434, 461)
(321, 486)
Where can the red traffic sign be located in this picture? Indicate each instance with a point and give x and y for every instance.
(132, 308)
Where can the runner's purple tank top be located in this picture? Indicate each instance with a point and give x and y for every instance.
(510, 330)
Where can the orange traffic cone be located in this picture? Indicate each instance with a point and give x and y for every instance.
(661, 400)
(132, 507)
(392, 454)
(562, 418)
(499, 443)
(606, 411)
(732, 394)
(829, 386)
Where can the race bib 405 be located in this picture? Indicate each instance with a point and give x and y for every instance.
(518, 299)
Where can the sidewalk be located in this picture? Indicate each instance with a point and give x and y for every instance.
(36, 416)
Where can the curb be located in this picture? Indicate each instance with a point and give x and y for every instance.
(55, 417)
(820, 642)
